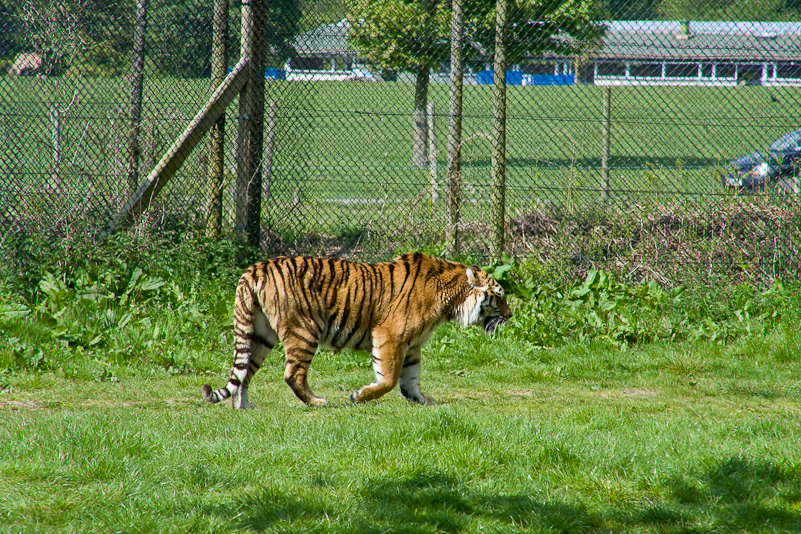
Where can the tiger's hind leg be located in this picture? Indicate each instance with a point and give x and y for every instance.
(253, 340)
(299, 353)
(409, 381)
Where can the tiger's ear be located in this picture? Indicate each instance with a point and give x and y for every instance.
(471, 276)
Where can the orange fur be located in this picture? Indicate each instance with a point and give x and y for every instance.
(390, 309)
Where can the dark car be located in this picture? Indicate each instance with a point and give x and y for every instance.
(776, 167)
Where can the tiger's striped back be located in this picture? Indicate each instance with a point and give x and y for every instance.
(390, 309)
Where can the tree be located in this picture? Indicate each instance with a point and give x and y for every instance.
(631, 9)
(86, 36)
(565, 28)
(404, 35)
(180, 39)
(414, 35)
(95, 37)
(727, 10)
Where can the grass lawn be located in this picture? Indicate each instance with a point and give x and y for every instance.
(665, 437)
(337, 140)
(600, 407)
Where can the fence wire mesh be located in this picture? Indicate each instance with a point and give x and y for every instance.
(656, 139)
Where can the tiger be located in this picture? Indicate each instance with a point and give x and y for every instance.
(390, 309)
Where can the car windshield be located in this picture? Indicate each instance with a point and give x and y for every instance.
(787, 143)
(749, 162)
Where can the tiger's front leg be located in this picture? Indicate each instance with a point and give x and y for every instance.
(410, 377)
(387, 364)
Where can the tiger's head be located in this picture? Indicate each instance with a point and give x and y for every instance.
(485, 302)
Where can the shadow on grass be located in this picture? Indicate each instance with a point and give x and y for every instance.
(686, 162)
(736, 494)
(741, 494)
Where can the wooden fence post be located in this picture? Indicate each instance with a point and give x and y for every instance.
(172, 160)
(219, 64)
(606, 141)
(498, 223)
(455, 129)
(251, 122)
(55, 177)
(137, 82)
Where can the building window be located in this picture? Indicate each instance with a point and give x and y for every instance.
(725, 70)
(681, 70)
(610, 68)
(749, 74)
(539, 67)
(646, 70)
(308, 63)
(788, 70)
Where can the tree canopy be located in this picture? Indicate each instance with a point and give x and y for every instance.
(398, 34)
(94, 37)
(404, 35)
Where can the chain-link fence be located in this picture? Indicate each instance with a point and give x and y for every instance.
(651, 138)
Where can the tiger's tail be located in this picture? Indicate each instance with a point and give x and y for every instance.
(243, 335)
(221, 394)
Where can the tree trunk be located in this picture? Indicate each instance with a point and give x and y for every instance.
(432, 152)
(419, 157)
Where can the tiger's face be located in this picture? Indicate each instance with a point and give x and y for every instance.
(489, 304)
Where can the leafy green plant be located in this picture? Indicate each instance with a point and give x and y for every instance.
(521, 279)
(550, 313)
(84, 313)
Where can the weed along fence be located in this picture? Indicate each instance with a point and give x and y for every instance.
(653, 141)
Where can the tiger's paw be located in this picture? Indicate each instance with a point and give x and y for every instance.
(357, 398)
(431, 401)
(422, 399)
(239, 400)
(318, 401)
(417, 397)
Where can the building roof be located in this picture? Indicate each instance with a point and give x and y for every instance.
(740, 41)
(643, 39)
(328, 39)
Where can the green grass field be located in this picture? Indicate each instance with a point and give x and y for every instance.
(342, 181)
(600, 407)
(340, 140)
(586, 438)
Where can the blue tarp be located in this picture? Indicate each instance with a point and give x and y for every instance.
(487, 77)
(516, 77)
(271, 74)
(275, 74)
(551, 79)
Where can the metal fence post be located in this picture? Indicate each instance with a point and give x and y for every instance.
(455, 129)
(499, 139)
